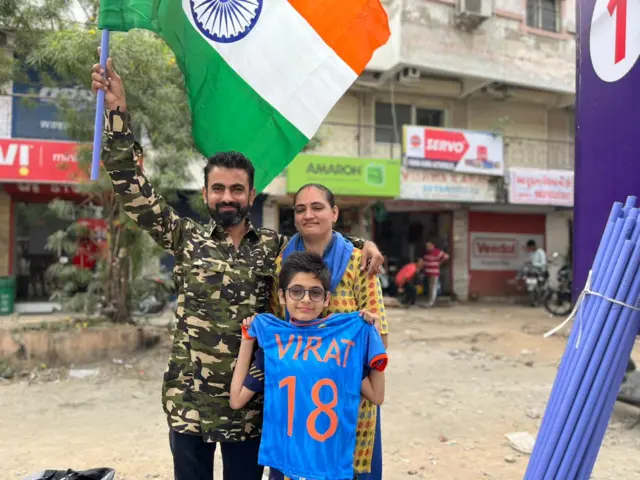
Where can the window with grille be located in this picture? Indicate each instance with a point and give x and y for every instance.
(544, 14)
(385, 132)
(428, 117)
(405, 115)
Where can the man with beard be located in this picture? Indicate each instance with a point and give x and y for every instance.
(223, 274)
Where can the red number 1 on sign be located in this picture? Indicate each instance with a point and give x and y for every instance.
(619, 7)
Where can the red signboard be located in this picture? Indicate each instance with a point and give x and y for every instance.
(28, 161)
(463, 151)
(446, 145)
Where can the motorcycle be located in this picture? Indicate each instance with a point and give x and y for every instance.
(535, 281)
(152, 293)
(155, 293)
(559, 300)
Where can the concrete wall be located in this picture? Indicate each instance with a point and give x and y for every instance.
(557, 239)
(558, 232)
(6, 103)
(460, 255)
(271, 214)
(5, 116)
(503, 49)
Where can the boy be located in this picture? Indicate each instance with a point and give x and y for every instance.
(313, 367)
(407, 280)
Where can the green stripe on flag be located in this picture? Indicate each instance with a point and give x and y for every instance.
(227, 114)
(125, 15)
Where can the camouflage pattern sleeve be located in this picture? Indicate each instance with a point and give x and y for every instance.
(357, 242)
(283, 240)
(120, 155)
(274, 300)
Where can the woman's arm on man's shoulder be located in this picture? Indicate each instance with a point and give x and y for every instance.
(369, 297)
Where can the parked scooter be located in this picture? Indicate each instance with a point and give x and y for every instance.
(159, 292)
(153, 292)
(535, 281)
(559, 299)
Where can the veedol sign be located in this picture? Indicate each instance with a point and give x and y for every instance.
(499, 251)
(458, 150)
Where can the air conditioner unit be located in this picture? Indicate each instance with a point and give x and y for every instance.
(470, 14)
(408, 75)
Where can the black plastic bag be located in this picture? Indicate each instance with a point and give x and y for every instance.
(93, 474)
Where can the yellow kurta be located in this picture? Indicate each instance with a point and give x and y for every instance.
(356, 291)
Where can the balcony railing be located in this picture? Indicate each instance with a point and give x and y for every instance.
(352, 140)
(535, 153)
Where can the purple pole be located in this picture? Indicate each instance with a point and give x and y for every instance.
(597, 368)
(580, 362)
(553, 421)
(607, 244)
(615, 380)
(98, 124)
(612, 373)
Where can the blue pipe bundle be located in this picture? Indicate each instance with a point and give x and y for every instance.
(606, 322)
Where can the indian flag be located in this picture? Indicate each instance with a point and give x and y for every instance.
(261, 75)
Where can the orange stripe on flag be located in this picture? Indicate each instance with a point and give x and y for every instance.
(354, 29)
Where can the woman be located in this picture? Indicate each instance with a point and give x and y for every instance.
(352, 289)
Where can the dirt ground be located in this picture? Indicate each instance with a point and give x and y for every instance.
(459, 379)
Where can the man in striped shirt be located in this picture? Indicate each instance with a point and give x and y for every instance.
(433, 258)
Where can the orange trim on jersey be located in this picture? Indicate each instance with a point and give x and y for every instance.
(379, 362)
(245, 333)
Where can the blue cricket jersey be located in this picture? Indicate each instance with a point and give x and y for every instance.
(312, 381)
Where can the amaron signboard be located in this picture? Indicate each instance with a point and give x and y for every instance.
(456, 150)
(38, 161)
(367, 177)
(528, 186)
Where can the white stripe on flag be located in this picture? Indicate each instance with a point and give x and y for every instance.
(288, 64)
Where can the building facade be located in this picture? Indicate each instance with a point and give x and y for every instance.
(498, 70)
(504, 69)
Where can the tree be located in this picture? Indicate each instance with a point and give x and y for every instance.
(48, 39)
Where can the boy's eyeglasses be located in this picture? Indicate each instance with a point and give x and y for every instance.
(316, 294)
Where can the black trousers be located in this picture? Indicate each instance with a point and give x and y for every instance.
(193, 458)
(410, 294)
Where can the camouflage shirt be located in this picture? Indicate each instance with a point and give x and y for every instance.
(217, 286)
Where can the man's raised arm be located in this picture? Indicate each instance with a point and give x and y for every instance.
(120, 155)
